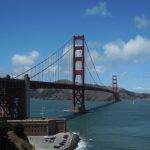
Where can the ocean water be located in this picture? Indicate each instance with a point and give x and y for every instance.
(115, 126)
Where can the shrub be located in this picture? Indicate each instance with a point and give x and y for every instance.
(4, 127)
(18, 129)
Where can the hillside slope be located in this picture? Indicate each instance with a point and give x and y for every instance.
(63, 94)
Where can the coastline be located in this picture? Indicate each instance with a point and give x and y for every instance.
(74, 142)
(44, 142)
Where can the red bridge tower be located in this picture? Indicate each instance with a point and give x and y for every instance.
(78, 94)
(116, 96)
(114, 83)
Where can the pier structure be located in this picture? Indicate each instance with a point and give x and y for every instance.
(14, 98)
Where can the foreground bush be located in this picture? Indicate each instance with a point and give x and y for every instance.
(4, 128)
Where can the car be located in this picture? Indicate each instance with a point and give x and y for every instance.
(55, 146)
(52, 138)
(62, 143)
(65, 140)
(65, 136)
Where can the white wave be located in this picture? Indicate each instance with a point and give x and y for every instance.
(78, 133)
(81, 145)
(91, 139)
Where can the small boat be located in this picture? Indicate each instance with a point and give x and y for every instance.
(43, 112)
(133, 102)
(67, 110)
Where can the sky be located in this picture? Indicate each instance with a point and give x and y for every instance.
(117, 31)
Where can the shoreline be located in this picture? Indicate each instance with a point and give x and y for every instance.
(74, 142)
(61, 141)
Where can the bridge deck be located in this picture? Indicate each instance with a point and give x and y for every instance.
(55, 85)
(51, 85)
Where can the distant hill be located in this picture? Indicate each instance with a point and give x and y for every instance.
(63, 94)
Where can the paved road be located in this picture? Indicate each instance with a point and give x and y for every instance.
(52, 142)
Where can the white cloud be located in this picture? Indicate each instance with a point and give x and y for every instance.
(52, 69)
(141, 89)
(94, 55)
(138, 88)
(67, 54)
(135, 50)
(99, 9)
(97, 59)
(100, 69)
(125, 73)
(24, 62)
(141, 22)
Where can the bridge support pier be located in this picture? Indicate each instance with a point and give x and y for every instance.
(12, 99)
(27, 94)
(78, 94)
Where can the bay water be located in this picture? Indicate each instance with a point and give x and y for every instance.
(123, 125)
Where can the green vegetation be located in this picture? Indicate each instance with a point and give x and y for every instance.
(13, 137)
(19, 131)
(4, 128)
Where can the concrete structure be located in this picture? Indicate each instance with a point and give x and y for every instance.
(12, 99)
(42, 127)
(51, 143)
(27, 94)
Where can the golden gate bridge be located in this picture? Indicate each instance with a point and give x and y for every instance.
(72, 62)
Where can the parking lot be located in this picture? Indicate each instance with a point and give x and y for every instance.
(59, 141)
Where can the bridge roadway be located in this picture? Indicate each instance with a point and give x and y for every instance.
(14, 94)
(55, 85)
(5, 82)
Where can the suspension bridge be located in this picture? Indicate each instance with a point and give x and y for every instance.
(72, 63)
